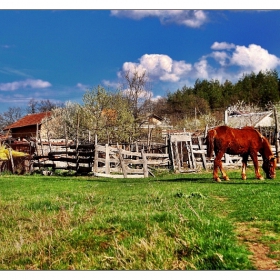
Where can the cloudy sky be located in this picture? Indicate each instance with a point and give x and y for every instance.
(58, 54)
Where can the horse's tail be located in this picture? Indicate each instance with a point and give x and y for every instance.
(210, 142)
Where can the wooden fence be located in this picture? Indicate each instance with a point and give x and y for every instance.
(116, 162)
(103, 160)
(181, 152)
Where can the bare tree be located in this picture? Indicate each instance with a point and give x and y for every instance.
(47, 105)
(32, 106)
(10, 116)
(136, 91)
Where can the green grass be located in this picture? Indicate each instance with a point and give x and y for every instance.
(170, 222)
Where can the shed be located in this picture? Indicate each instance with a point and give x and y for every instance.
(27, 126)
(261, 119)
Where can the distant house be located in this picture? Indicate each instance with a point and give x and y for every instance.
(238, 119)
(27, 126)
(153, 121)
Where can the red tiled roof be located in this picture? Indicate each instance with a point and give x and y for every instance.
(31, 119)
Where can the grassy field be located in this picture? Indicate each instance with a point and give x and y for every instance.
(170, 222)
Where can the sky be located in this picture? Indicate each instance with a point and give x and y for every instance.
(59, 53)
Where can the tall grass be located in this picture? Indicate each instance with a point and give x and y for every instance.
(173, 222)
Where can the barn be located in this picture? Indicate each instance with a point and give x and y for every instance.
(28, 126)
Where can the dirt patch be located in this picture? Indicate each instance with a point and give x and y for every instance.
(220, 198)
(260, 252)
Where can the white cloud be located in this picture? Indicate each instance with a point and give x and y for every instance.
(159, 67)
(111, 84)
(254, 58)
(189, 18)
(201, 69)
(156, 98)
(24, 84)
(235, 60)
(221, 57)
(82, 86)
(222, 46)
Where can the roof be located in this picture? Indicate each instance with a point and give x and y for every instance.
(30, 119)
(250, 119)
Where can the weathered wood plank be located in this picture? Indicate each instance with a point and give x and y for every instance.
(116, 175)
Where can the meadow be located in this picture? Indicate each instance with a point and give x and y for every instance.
(167, 222)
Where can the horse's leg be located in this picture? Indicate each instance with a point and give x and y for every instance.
(254, 157)
(218, 163)
(244, 166)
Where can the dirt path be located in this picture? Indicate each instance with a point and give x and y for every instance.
(260, 252)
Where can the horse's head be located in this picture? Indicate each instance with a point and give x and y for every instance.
(269, 166)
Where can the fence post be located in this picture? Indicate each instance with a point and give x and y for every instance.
(95, 164)
(276, 135)
(178, 162)
(122, 163)
(107, 159)
(202, 154)
(11, 159)
(192, 154)
(171, 155)
(145, 164)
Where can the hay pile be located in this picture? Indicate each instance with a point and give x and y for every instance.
(6, 153)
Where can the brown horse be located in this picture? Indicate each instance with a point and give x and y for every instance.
(244, 142)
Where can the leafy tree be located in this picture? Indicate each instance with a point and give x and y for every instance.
(258, 89)
(211, 92)
(108, 115)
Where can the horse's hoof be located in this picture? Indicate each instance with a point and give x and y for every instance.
(261, 178)
(244, 177)
(217, 179)
(226, 178)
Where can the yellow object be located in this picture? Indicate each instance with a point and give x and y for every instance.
(4, 153)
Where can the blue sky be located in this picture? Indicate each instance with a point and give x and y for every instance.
(58, 54)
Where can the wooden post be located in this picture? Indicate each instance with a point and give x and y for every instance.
(171, 155)
(192, 154)
(37, 139)
(42, 149)
(189, 154)
(202, 155)
(66, 142)
(122, 163)
(77, 159)
(181, 153)
(95, 165)
(226, 117)
(145, 164)
(11, 159)
(276, 135)
(178, 162)
(107, 159)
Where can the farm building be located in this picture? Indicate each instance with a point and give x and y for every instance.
(238, 119)
(28, 126)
